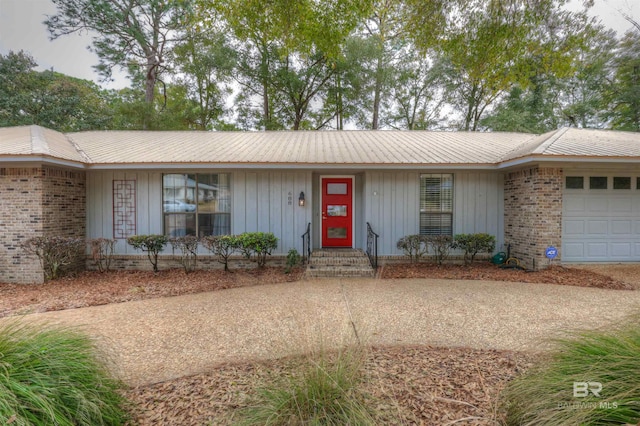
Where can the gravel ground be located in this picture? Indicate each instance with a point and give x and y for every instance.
(161, 339)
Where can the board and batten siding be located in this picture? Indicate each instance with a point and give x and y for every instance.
(265, 201)
(392, 205)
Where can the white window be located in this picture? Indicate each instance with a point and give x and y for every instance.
(436, 204)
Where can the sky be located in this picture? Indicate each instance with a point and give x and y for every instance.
(21, 28)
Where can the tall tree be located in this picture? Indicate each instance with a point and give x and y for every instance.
(491, 45)
(204, 63)
(48, 98)
(268, 31)
(132, 34)
(384, 29)
(625, 96)
(549, 101)
(417, 96)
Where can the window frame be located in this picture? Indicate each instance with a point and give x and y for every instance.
(445, 200)
(195, 219)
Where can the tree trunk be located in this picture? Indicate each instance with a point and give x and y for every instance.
(376, 95)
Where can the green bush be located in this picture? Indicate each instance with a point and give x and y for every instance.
(57, 255)
(259, 244)
(322, 391)
(152, 244)
(545, 394)
(293, 260)
(102, 252)
(188, 246)
(55, 376)
(441, 246)
(473, 244)
(413, 246)
(222, 246)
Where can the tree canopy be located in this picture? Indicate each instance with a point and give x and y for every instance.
(474, 65)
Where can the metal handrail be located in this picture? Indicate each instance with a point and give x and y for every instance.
(372, 246)
(306, 244)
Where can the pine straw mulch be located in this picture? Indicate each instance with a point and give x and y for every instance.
(404, 385)
(93, 288)
(560, 275)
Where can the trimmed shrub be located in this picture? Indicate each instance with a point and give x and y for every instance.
(413, 246)
(102, 252)
(441, 246)
(57, 255)
(55, 376)
(473, 244)
(322, 391)
(222, 246)
(188, 246)
(546, 394)
(293, 260)
(259, 244)
(152, 244)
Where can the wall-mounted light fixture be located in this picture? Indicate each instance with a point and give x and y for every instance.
(301, 199)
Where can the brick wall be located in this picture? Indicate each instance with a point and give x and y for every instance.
(533, 214)
(37, 201)
(20, 219)
(141, 262)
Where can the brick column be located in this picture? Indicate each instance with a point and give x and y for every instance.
(533, 214)
(37, 201)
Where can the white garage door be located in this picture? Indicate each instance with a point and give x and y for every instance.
(601, 225)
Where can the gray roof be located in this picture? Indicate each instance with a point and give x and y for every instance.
(313, 148)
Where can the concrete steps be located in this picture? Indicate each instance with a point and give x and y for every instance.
(339, 263)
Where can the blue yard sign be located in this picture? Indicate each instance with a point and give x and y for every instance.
(551, 252)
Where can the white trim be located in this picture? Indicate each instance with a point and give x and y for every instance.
(292, 166)
(40, 159)
(353, 205)
(569, 160)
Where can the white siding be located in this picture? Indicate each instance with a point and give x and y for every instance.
(267, 201)
(264, 201)
(392, 205)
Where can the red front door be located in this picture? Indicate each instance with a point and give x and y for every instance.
(337, 212)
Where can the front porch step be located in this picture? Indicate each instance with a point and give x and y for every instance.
(339, 263)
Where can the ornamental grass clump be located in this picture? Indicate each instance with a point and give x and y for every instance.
(591, 379)
(322, 390)
(55, 376)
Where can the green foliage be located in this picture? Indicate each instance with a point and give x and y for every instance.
(293, 259)
(222, 246)
(413, 246)
(48, 98)
(544, 394)
(473, 244)
(102, 252)
(440, 246)
(56, 254)
(55, 376)
(135, 35)
(188, 246)
(322, 391)
(152, 244)
(625, 95)
(259, 244)
(206, 61)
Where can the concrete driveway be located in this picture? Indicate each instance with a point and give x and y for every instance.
(160, 339)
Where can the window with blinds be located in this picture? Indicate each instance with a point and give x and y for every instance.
(436, 204)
